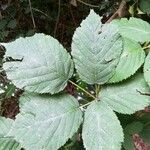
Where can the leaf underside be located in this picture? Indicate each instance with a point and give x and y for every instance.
(130, 61)
(147, 69)
(134, 28)
(44, 65)
(101, 128)
(127, 97)
(96, 49)
(46, 122)
(6, 142)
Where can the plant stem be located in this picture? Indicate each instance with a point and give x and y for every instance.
(97, 89)
(82, 89)
(146, 47)
(39, 11)
(87, 4)
(33, 21)
(87, 104)
(148, 123)
(121, 12)
(58, 16)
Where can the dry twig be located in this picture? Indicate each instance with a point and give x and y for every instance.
(33, 21)
(58, 16)
(121, 12)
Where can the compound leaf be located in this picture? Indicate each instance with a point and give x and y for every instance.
(127, 97)
(147, 69)
(46, 122)
(96, 49)
(134, 28)
(130, 61)
(40, 64)
(101, 128)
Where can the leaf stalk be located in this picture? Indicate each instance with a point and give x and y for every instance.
(82, 89)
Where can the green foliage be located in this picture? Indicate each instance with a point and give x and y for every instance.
(134, 29)
(96, 50)
(136, 127)
(144, 6)
(7, 23)
(3, 23)
(101, 52)
(7, 142)
(127, 97)
(97, 132)
(12, 24)
(131, 129)
(50, 127)
(51, 64)
(10, 90)
(6, 91)
(130, 61)
(145, 133)
(147, 69)
(5, 126)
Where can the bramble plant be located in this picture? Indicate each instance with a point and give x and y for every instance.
(106, 56)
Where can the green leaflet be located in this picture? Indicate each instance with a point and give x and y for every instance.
(45, 66)
(131, 129)
(145, 134)
(10, 90)
(147, 69)
(128, 142)
(144, 6)
(7, 142)
(46, 122)
(134, 29)
(130, 61)
(101, 128)
(136, 127)
(96, 49)
(128, 96)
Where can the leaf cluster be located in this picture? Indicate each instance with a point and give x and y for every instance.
(107, 56)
